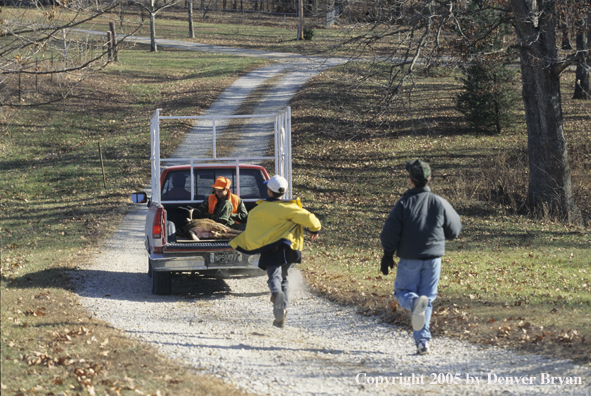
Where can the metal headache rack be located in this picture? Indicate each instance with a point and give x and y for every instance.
(253, 136)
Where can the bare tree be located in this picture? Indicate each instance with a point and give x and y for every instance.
(582, 83)
(549, 171)
(433, 32)
(190, 11)
(153, 8)
(42, 55)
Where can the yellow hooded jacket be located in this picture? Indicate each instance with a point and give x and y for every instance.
(274, 221)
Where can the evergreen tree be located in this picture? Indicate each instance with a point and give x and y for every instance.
(489, 97)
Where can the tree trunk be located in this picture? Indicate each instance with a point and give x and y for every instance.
(191, 30)
(549, 172)
(582, 84)
(498, 118)
(565, 38)
(300, 19)
(153, 47)
(114, 50)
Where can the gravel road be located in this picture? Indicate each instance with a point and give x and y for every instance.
(224, 327)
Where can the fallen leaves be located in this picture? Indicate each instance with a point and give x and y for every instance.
(503, 332)
(39, 312)
(66, 335)
(39, 358)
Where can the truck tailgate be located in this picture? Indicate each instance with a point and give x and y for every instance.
(197, 246)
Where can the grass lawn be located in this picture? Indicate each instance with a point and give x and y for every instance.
(264, 32)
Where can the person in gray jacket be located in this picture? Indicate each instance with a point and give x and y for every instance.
(416, 231)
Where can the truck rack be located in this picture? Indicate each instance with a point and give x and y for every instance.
(281, 148)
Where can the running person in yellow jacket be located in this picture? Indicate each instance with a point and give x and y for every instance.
(275, 229)
(222, 206)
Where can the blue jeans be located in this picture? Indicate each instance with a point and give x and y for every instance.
(416, 278)
(278, 280)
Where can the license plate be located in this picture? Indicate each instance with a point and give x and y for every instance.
(225, 257)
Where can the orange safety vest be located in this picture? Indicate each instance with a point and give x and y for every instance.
(213, 200)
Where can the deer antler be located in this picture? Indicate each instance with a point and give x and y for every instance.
(190, 210)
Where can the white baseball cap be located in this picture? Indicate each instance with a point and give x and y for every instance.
(276, 184)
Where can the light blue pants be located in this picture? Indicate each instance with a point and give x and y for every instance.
(416, 278)
(278, 280)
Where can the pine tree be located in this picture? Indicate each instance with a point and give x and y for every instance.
(489, 97)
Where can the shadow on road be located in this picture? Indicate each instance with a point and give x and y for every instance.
(130, 286)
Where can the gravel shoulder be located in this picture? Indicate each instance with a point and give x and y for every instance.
(224, 326)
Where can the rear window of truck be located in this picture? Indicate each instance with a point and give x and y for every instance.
(177, 185)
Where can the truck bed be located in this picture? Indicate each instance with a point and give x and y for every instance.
(179, 218)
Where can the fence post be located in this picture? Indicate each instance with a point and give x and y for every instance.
(102, 165)
(109, 49)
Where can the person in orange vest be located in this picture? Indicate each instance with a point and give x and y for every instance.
(222, 206)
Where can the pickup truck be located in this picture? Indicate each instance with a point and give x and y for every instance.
(170, 252)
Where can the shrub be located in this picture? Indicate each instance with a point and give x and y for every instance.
(489, 98)
(501, 179)
(308, 33)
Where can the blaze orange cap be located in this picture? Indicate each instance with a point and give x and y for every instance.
(222, 183)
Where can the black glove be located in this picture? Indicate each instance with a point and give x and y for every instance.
(387, 261)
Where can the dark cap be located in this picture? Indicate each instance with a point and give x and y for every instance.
(418, 170)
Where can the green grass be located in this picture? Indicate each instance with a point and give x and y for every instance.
(275, 36)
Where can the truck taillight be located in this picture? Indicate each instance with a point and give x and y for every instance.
(158, 228)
